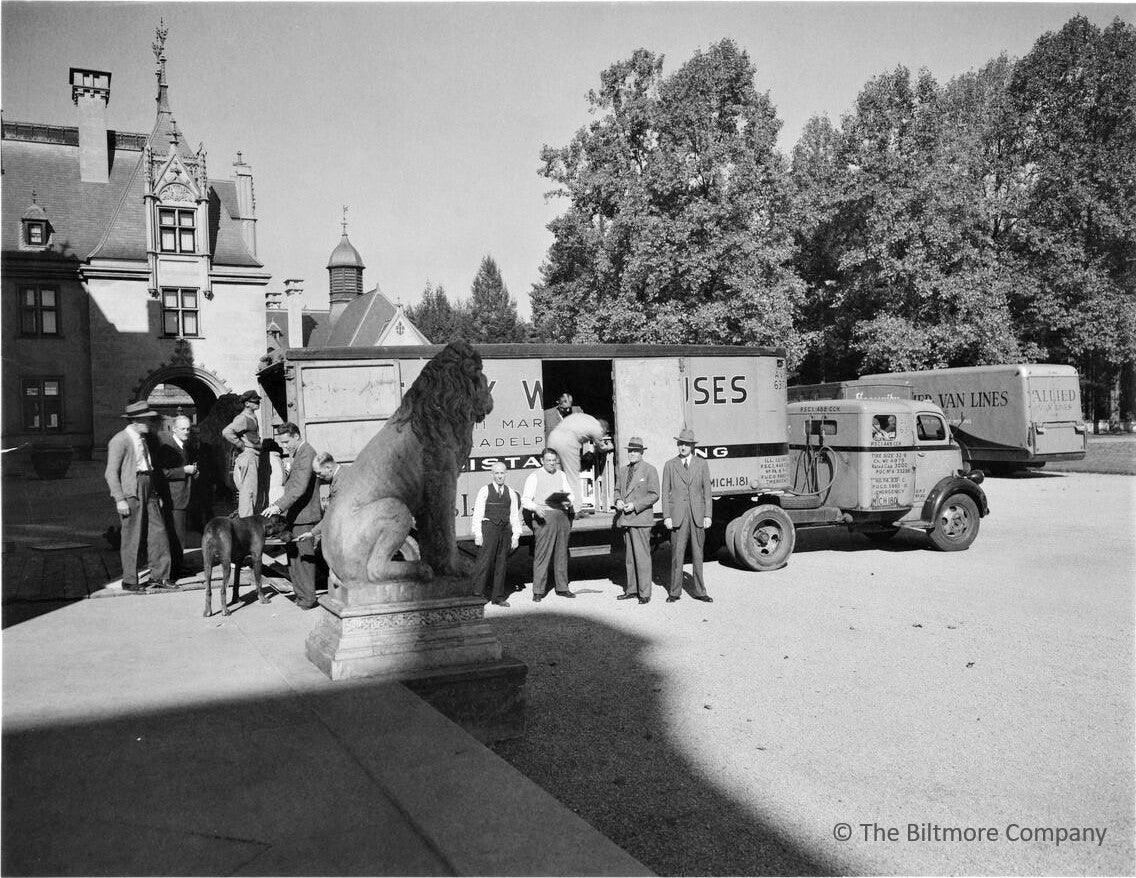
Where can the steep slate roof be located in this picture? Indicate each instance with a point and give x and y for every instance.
(94, 219)
(360, 324)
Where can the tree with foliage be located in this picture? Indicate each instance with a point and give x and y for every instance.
(677, 226)
(1074, 96)
(492, 312)
(438, 319)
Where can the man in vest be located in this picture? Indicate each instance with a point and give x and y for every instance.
(496, 531)
(244, 435)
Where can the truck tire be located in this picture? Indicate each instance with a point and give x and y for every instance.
(731, 530)
(956, 524)
(764, 538)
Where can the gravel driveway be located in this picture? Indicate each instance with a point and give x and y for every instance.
(861, 685)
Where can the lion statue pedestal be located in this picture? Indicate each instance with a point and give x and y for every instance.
(415, 619)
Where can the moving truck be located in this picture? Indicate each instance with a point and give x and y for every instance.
(1005, 417)
(732, 397)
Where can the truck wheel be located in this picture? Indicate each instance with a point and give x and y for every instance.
(956, 525)
(764, 538)
(731, 530)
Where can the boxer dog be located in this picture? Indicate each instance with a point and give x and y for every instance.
(228, 540)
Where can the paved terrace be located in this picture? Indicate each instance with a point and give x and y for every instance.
(140, 738)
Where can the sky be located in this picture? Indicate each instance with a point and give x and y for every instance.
(427, 119)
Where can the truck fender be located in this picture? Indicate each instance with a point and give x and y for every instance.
(953, 485)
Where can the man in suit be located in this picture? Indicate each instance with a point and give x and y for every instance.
(636, 491)
(687, 507)
(134, 481)
(328, 472)
(556, 414)
(300, 507)
(178, 463)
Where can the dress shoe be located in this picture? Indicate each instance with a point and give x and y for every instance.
(703, 597)
(644, 600)
(501, 604)
(671, 599)
(624, 597)
(166, 585)
(567, 594)
(537, 598)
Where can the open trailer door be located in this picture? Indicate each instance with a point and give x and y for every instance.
(649, 402)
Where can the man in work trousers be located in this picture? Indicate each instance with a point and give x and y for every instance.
(133, 484)
(300, 507)
(550, 523)
(244, 435)
(496, 531)
(636, 492)
(687, 506)
(567, 439)
(179, 469)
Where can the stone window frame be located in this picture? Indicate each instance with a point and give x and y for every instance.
(172, 221)
(34, 314)
(43, 227)
(182, 314)
(35, 405)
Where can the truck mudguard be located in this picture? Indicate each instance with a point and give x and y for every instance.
(945, 487)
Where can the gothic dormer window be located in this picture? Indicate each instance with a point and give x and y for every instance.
(177, 229)
(35, 228)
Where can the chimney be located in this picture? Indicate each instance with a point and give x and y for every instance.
(90, 91)
(246, 203)
(294, 294)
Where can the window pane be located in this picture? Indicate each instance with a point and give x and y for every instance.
(187, 241)
(190, 319)
(169, 240)
(31, 390)
(31, 416)
(189, 298)
(51, 388)
(35, 233)
(53, 420)
(186, 217)
(28, 321)
(170, 322)
(29, 296)
(169, 298)
(49, 327)
(47, 298)
(166, 217)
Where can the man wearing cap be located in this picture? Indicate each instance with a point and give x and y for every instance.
(556, 414)
(687, 507)
(636, 491)
(244, 435)
(132, 479)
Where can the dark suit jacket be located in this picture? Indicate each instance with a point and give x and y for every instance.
(122, 469)
(301, 503)
(172, 461)
(642, 492)
(552, 417)
(686, 491)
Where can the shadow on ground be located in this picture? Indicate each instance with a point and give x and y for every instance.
(597, 739)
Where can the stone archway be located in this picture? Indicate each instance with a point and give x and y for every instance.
(201, 386)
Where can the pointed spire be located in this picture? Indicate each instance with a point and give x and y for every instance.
(345, 220)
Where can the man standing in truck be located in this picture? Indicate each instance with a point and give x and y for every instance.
(687, 506)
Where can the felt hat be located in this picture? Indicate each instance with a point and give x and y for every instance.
(249, 394)
(139, 410)
(635, 443)
(686, 435)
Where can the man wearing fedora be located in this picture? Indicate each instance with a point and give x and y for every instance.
(687, 506)
(244, 435)
(132, 479)
(636, 492)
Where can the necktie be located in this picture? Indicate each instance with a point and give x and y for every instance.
(686, 462)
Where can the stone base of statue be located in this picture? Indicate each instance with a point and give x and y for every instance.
(431, 636)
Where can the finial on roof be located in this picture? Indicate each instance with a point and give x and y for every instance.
(239, 161)
(33, 196)
(345, 219)
(174, 135)
(159, 47)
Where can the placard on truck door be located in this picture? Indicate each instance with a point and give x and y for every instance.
(649, 403)
(344, 403)
(737, 409)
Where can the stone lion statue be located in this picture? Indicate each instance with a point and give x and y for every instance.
(407, 475)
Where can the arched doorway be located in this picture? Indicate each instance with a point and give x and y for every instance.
(182, 390)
